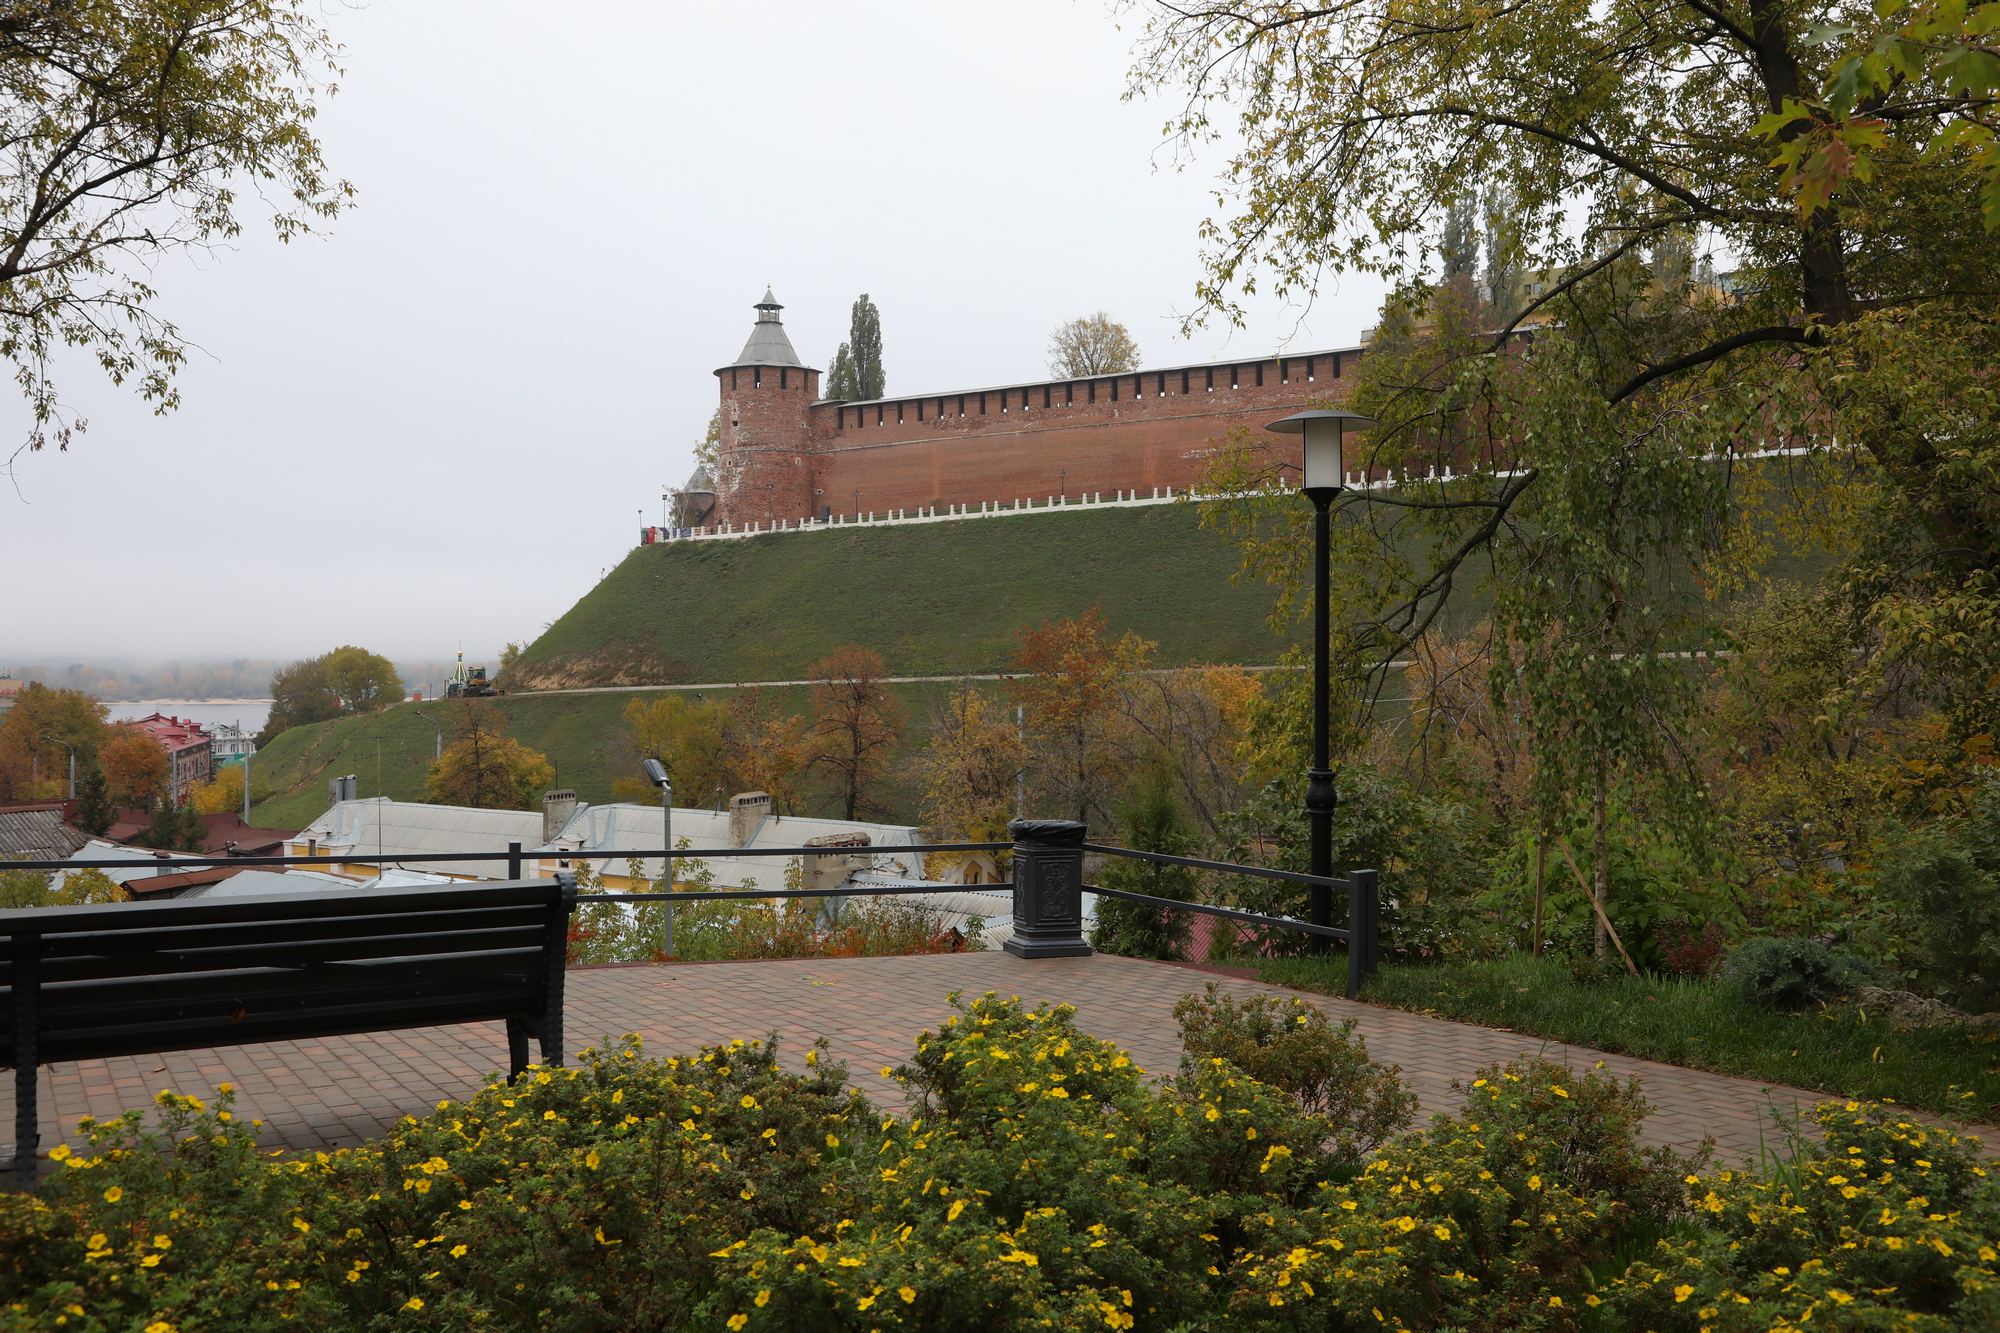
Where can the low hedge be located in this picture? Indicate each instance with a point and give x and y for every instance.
(1037, 1180)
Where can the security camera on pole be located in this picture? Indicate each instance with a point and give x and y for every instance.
(1325, 476)
(656, 773)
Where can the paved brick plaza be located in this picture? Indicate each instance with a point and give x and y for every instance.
(322, 1094)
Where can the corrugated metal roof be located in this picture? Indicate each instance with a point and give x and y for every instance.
(378, 826)
(37, 835)
(249, 883)
(600, 832)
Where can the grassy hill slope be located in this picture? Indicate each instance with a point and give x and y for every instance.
(933, 599)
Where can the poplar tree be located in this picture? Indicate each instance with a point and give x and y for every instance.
(856, 374)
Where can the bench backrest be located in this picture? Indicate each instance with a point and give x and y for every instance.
(131, 978)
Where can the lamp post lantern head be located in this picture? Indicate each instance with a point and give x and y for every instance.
(1325, 469)
(656, 773)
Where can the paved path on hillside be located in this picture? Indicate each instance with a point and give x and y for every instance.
(334, 1093)
(886, 680)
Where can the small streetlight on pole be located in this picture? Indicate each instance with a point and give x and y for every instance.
(439, 725)
(656, 773)
(57, 740)
(1324, 473)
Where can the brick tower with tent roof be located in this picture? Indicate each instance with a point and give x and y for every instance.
(764, 468)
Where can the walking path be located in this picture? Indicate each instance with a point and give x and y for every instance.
(338, 1092)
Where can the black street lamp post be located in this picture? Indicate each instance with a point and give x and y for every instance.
(1324, 474)
(656, 773)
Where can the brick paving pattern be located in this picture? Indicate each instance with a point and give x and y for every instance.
(338, 1092)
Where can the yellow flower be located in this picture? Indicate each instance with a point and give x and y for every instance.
(414, 1303)
(60, 1151)
(909, 1294)
(458, 1251)
(593, 1161)
(150, 1261)
(114, 1194)
(159, 1326)
(163, 1243)
(1593, 1300)
(1406, 1224)
(97, 1241)
(748, 1103)
(1556, 1300)
(1682, 1292)
(1442, 1233)
(737, 1321)
(763, 1298)
(832, 1141)
(957, 1207)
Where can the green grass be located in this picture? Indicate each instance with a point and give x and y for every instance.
(1694, 1024)
(933, 599)
(578, 732)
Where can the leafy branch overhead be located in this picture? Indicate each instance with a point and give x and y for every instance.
(1936, 65)
(130, 131)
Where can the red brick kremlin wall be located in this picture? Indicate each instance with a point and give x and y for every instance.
(1134, 431)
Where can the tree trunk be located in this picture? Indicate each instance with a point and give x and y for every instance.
(1600, 889)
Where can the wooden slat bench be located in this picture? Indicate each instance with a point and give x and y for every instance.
(86, 983)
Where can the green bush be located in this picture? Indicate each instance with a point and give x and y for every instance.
(1787, 972)
(1432, 852)
(1154, 822)
(1038, 1180)
(1947, 882)
(1292, 1046)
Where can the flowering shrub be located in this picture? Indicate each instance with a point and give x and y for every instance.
(1884, 1224)
(1036, 1180)
(1293, 1046)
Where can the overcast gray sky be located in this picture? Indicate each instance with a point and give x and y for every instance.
(439, 423)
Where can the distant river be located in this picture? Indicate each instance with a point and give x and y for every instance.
(248, 714)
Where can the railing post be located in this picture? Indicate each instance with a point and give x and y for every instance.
(1363, 927)
(1048, 889)
(27, 987)
(513, 860)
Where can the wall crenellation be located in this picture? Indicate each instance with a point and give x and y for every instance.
(787, 456)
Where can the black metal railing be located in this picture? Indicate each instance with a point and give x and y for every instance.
(1046, 888)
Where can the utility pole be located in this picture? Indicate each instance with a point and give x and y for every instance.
(656, 773)
(434, 722)
(72, 762)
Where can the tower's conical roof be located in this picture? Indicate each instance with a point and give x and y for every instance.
(768, 345)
